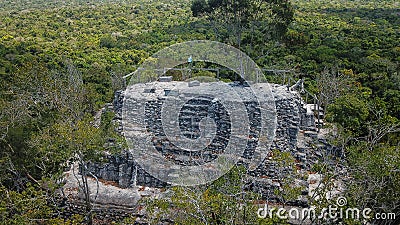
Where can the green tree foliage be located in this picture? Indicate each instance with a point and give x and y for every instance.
(224, 201)
(48, 124)
(248, 21)
(349, 111)
(376, 177)
(30, 207)
(369, 137)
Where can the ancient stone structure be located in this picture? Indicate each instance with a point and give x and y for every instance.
(120, 182)
(295, 133)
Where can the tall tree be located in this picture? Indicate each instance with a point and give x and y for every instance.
(251, 21)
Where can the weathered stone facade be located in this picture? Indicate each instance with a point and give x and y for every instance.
(122, 182)
(294, 133)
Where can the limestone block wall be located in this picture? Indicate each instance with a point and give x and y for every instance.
(290, 114)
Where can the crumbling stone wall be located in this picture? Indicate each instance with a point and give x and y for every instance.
(290, 119)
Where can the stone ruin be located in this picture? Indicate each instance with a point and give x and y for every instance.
(296, 133)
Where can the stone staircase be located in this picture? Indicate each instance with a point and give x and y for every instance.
(312, 117)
